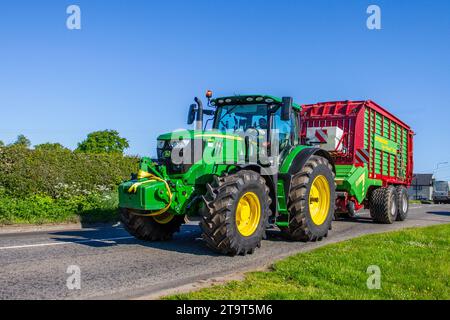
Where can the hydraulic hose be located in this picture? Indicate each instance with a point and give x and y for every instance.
(151, 178)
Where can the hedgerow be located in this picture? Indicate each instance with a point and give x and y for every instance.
(61, 173)
(40, 209)
(58, 185)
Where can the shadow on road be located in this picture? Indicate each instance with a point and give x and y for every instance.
(358, 219)
(440, 213)
(187, 241)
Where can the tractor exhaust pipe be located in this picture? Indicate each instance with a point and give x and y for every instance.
(199, 116)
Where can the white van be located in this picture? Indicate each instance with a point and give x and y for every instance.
(441, 192)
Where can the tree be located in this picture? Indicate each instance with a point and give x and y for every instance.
(22, 141)
(50, 147)
(107, 141)
(2, 144)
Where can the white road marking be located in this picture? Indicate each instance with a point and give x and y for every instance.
(62, 243)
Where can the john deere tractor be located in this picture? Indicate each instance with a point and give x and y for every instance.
(243, 173)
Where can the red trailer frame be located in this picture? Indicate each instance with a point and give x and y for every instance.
(353, 117)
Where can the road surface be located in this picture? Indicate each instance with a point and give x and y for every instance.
(114, 265)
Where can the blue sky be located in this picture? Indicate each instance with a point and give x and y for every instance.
(135, 66)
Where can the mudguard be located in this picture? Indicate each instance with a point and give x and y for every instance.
(292, 165)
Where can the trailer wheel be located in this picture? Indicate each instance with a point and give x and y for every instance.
(383, 205)
(349, 214)
(311, 201)
(236, 213)
(150, 228)
(402, 203)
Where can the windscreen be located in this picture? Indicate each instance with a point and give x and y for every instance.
(441, 186)
(241, 117)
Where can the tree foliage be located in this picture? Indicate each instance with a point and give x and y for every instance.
(106, 141)
(22, 141)
(50, 147)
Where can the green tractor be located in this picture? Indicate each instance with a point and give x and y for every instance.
(244, 173)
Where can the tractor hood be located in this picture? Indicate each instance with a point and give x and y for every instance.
(199, 134)
(181, 149)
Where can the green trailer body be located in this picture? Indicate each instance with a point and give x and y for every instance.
(370, 146)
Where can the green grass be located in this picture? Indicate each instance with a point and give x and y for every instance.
(414, 263)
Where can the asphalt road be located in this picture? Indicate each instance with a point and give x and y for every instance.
(115, 265)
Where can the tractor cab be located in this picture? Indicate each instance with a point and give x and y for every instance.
(272, 121)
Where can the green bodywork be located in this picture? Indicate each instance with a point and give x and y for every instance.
(386, 151)
(355, 181)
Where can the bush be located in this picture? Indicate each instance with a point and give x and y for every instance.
(61, 173)
(39, 209)
(49, 185)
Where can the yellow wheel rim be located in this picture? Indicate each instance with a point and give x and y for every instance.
(248, 214)
(164, 218)
(319, 200)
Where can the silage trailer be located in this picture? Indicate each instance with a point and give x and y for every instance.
(372, 151)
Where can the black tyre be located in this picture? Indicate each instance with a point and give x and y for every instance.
(150, 228)
(311, 201)
(402, 203)
(349, 214)
(383, 205)
(237, 209)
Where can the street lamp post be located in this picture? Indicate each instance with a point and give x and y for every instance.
(438, 165)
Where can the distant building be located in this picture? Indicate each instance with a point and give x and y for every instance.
(421, 187)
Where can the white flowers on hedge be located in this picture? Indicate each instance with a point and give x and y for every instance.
(69, 190)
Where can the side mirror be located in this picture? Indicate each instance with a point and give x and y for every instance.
(191, 114)
(286, 108)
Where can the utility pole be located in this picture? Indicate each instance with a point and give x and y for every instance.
(416, 188)
(438, 165)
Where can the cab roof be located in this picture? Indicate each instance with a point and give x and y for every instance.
(249, 99)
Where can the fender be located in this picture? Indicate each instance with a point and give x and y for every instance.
(300, 157)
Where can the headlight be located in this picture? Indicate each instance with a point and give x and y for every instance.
(160, 144)
(179, 143)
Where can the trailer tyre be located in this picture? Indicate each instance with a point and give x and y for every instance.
(150, 228)
(236, 213)
(349, 214)
(402, 203)
(383, 205)
(311, 201)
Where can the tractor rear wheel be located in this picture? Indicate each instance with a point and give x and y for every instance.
(402, 203)
(236, 213)
(150, 228)
(383, 205)
(311, 201)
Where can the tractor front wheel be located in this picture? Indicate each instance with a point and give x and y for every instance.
(311, 201)
(147, 228)
(236, 213)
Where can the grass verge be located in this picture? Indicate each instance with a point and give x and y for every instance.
(414, 264)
